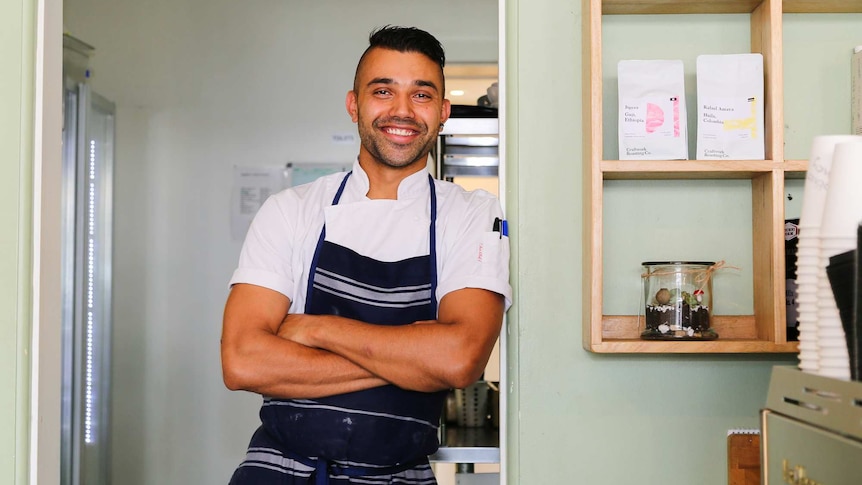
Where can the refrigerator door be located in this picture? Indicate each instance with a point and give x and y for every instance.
(88, 159)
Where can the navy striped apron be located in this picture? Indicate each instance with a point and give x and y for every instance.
(370, 433)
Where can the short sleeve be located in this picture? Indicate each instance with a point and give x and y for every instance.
(265, 259)
(475, 255)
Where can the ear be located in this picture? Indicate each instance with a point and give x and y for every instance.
(350, 103)
(445, 111)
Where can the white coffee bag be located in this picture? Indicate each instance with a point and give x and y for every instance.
(730, 107)
(652, 110)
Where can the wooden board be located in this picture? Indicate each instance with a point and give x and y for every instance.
(743, 459)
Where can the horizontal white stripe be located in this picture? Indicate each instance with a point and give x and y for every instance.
(425, 479)
(372, 303)
(273, 459)
(387, 296)
(276, 463)
(372, 287)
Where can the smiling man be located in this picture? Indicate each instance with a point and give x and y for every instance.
(361, 298)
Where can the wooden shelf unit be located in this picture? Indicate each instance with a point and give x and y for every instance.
(765, 331)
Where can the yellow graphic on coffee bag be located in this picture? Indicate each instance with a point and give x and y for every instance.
(749, 123)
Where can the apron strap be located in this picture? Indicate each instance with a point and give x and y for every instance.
(433, 249)
(320, 241)
(321, 473)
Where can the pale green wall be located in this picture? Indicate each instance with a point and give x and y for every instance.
(578, 417)
(16, 108)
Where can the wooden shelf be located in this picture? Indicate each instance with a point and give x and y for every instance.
(765, 330)
(796, 169)
(736, 334)
(822, 6)
(632, 346)
(695, 169)
(640, 7)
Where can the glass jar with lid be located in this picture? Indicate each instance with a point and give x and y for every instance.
(678, 300)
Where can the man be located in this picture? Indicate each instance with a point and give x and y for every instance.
(333, 313)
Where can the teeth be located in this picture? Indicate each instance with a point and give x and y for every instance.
(399, 131)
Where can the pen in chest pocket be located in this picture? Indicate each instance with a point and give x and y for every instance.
(501, 226)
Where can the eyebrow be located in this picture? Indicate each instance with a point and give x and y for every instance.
(418, 82)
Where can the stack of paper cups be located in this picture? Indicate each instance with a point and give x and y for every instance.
(809, 268)
(842, 211)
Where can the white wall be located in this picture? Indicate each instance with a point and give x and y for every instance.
(202, 85)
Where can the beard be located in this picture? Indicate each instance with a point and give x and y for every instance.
(392, 154)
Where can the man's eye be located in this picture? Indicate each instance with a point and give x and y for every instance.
(381, 92)
(423, 96)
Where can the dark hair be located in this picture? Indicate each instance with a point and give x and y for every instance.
(404, 39)
(408, 39)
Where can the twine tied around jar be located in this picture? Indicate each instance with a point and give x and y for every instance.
(701, 277)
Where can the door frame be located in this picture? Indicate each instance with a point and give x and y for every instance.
(45, 344)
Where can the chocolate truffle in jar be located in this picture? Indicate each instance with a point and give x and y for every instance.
(678, 300)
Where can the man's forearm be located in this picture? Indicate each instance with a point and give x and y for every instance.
(424, 356)
(255, 359)
(271, 366)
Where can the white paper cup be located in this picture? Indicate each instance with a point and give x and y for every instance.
(834, 361)
(809, 258)
(832, 352)
(842, 208)
(806, 274)
(836, 245)
(842, 372)
(809, 240)
(806, 345)
(808, 268)
(817, 178)
(810, 366)
(806, 285)
(810, 305)
(809, 314)
(831, 336)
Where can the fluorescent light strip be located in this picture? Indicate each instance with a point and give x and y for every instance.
(91, 281)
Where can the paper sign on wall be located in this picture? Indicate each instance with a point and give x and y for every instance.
(253, 185)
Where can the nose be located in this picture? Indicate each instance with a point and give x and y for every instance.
(402, 106)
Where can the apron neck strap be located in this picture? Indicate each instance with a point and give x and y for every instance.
(432, 231)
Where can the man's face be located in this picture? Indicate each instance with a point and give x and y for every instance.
(398, 104)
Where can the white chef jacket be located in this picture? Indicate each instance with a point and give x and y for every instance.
(282, 238)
